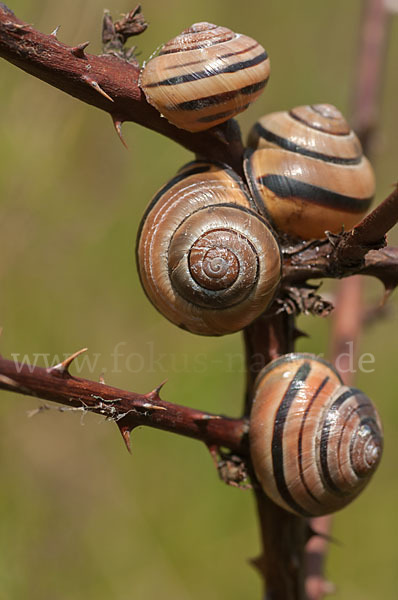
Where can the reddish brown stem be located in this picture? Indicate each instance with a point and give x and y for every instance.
(316, 586)
(263, 341)
(109, 83)
(350, 253)
(283, 535)
(319, 261)
(370, 232)
(127, 409)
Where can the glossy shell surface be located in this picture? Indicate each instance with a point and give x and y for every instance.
(204, 76)
(307, 172)
(315, 443)
(206, 260)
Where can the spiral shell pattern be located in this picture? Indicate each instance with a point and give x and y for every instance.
(307, 171)
(315, 443)
(204, 76)
(207, 261)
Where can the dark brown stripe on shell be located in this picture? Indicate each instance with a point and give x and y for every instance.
(254, 188)
(242, 186)
(238, 66)
(323, 447)
(219, 115)
(201, 103)
(277, 438)
(300, 438)
(286, 144)
(287, 187)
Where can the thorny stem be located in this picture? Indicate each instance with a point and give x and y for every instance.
(88, 77)
(127, 409)
(111, 84)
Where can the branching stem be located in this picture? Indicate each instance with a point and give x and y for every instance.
(110, 83)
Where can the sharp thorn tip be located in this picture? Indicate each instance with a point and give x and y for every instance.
(94, 84)
(150, 406)
(126, 432)
(118, 126)
(55, 32)
(78, 50)
(159, 387)
(256, 562)
(8, 381)
(206, 417)
(62, 368)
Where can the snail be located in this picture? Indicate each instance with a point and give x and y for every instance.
(205, 76)
(315, 442)
(207, 261)
(307, 171)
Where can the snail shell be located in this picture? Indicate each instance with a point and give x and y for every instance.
(207, 261)
(205, 76)
(307, 171)
(315, 443)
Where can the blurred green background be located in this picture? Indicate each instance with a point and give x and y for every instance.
(79, 517)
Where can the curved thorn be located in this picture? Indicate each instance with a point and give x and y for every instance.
(78, 50)
(206, 417)
(54, 33)
(118, 126)
(257, 563)
(385, 298)
(63, 367)
(8, 381)
(150, 406)
(101, 379)
(125, 431)
(157, 389)
(214, 453)
(94, 84)
(11, 383)
(297, 333)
